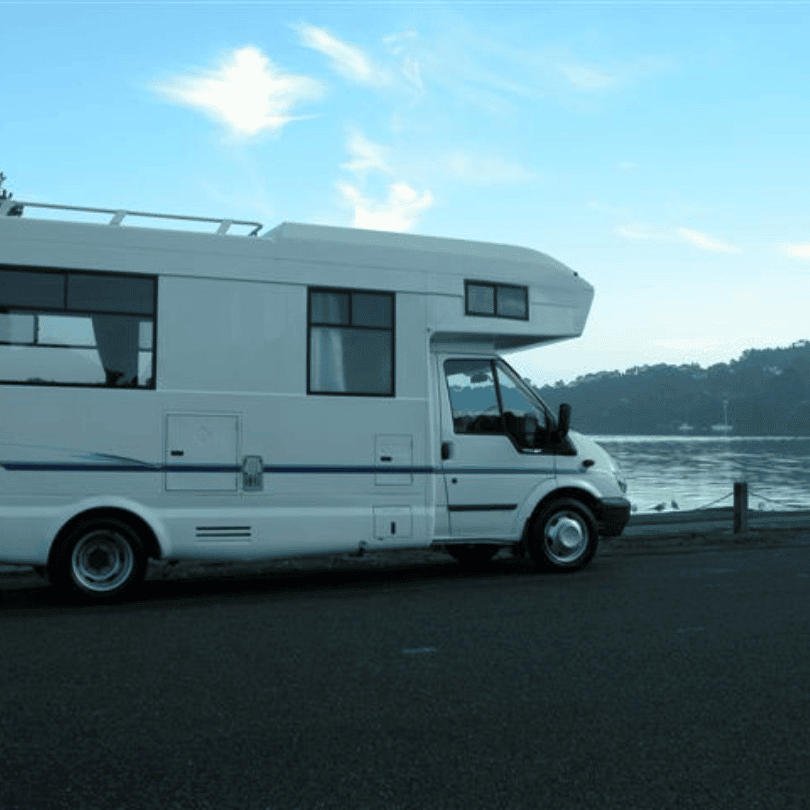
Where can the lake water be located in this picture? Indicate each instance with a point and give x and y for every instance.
(698, 471)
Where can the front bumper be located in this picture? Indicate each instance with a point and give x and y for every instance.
(615, 514)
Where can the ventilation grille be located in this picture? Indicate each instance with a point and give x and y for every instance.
(223, 532)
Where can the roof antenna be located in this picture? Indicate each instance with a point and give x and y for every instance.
(6, 206)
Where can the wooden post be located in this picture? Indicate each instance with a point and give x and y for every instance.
(740, 507)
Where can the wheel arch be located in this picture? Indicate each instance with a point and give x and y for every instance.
(145, 531)
(577, 493)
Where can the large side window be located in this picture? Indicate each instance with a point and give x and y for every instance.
(350, 342)
(70, 327)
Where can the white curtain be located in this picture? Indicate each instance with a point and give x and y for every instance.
(117, 342)
(326, 369)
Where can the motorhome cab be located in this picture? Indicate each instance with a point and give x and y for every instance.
(181, 395)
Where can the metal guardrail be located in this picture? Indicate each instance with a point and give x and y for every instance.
(712, 505)
(739, 515)
(723, 515)
(11, 207)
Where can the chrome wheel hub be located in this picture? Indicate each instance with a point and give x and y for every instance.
(102, 561)
(566, 538)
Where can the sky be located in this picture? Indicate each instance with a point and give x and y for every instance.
(659, 149)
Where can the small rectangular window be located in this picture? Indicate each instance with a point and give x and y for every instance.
(329, 307)
(496, 300)
(350, 343)
(512, 302)
(480, 299)
(372, 310)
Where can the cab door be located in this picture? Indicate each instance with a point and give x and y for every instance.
(493, 453)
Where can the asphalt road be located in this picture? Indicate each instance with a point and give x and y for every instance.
(664, 681)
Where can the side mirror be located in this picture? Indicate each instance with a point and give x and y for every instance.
(563, 421)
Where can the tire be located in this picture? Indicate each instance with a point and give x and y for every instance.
(99, 559)
(564, 536)
(472, 555)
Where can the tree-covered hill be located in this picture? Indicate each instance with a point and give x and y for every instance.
(767, 393)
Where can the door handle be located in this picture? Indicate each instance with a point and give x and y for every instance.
(447, 450)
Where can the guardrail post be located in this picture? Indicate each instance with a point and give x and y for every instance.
(740, 507)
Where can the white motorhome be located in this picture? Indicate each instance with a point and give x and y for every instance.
(184, 395)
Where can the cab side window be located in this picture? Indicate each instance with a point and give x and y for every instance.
(473, 397)
(487, 397)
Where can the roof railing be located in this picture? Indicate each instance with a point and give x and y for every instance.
(15, 208)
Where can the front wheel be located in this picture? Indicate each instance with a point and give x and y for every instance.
(98, 559)
(564, 536)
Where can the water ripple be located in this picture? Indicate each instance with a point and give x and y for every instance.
(693, 471)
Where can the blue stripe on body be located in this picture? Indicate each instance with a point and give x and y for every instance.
(49, 466)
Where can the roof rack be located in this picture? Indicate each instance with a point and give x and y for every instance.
(15, 208)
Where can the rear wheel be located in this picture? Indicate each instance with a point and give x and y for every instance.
(99, 559)
(564, 536)
(471, 555)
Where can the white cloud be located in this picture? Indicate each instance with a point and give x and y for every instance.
(796, 251)
(347, 60)
(705, 241)
(367, 156)
(403, 205)
(247, 92)
(354, 64)
(397, 213)
(498, 71)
